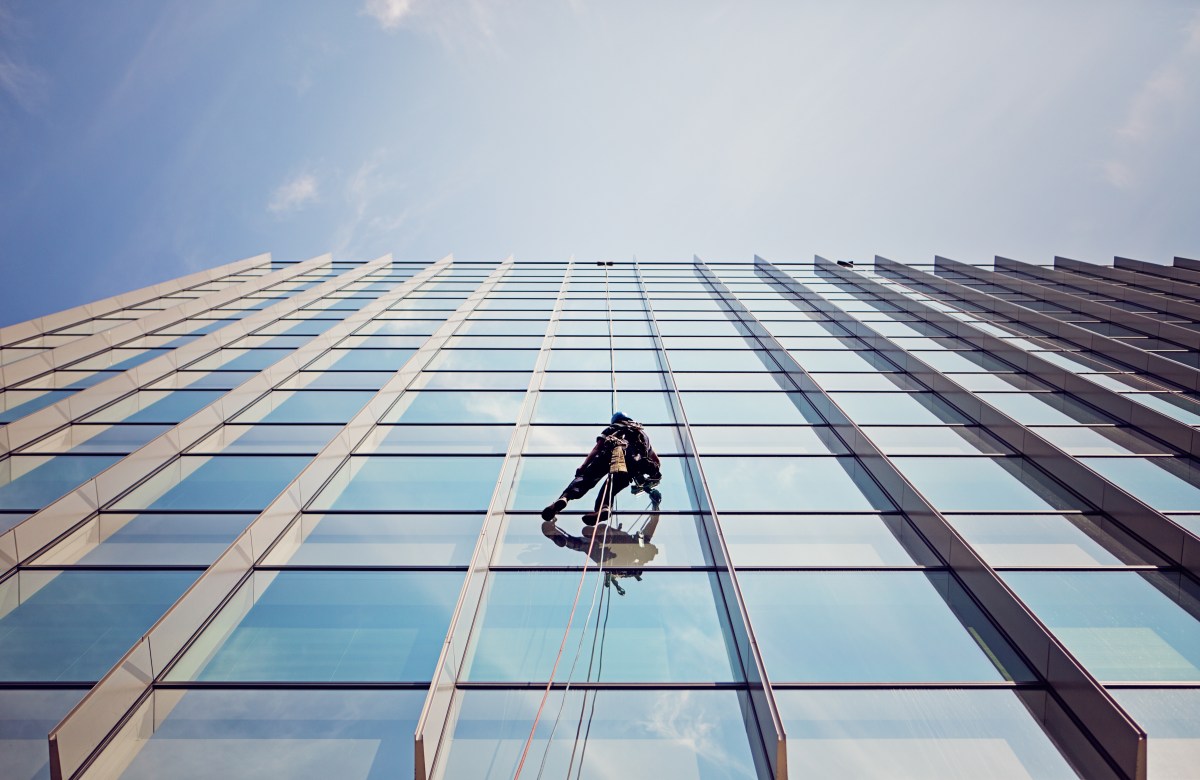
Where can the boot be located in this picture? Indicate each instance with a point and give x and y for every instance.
(558, 505)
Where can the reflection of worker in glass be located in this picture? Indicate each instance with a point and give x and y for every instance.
(624, 454)
(620, 553)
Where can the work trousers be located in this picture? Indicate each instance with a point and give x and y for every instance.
(594, 469)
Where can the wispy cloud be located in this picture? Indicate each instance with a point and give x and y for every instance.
(389, 13)
(21, 82)
(1156, 109)
(293, 194)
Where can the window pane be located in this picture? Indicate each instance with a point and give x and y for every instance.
(985, 484)
(596, 407)
(294, 734)
(351, 626)
(748, 408)
(1167, 484)
(434, 406)
(933, 734)
(682, 735)
(378, 540)
(81, 439)
(867, 627)
(26, 717)
(229, 482)
(751, 439)
(792, 484)
(1120, 625)
(821, 540)
(29, 482)
(156, 406)
(666, 628)
(74, 625)
(483, 360)
(418, 439)
(934, 440)
(897, 408)
(306, 406)
(405, 483)
(1171, 718)
(267, 439)
(115, 539)
(1044, 408)
(1049, 541)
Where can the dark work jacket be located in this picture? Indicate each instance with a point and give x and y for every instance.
(640, 458)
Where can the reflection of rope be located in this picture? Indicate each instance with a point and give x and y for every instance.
(607, 494)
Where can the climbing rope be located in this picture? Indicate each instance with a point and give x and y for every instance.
(612, 352)
(607, 495)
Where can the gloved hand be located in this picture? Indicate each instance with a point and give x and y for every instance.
(655, 496)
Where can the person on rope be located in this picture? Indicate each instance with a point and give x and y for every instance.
(640, 466)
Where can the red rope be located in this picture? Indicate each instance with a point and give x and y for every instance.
(561, 645)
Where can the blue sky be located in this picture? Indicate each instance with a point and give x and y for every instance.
(146, 139)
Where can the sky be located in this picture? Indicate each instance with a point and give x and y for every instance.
(147, 139)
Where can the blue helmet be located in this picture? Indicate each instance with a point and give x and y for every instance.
(619, 417)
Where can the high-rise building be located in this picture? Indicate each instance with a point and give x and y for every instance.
(918, 521)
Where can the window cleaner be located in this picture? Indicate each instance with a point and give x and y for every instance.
(624, 449)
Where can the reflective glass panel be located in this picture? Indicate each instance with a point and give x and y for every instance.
(931, 734)
(116, 539)
(229, 482)
(327, 625)
(934, 440)
(821, 540)
(682, 735)
(74, 625)
(417, 439)
(267, 439)
(792, 484)
(1049, 540)
(1167, 484)
(748, 408)
(294, 734)
(81, 439)
(406, 483)
(1121, 625)
(26, 717)
(434, 406)
(897, 408)
(1171, 718)
(31, 482)
(761, 439)
(855, 626)
(667, 627)
(377, 540)
(985, 484)
(306, 406)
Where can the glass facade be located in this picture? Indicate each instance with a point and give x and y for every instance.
(932, 521)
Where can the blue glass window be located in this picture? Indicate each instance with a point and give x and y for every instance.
(450, 406)
(682, 735)
(407, 483)
(306, 406)
(792, 484)
(378, 540)
(985, 484)
(822, 540)
(222, 482)
(1171, 718)
(298, 734)
(76, 624)
(855, 626)
(748, 408)
(148, 539)
(918, 733)
(1121, 625)
(351, 626)
(32, 482)
(666, 628)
